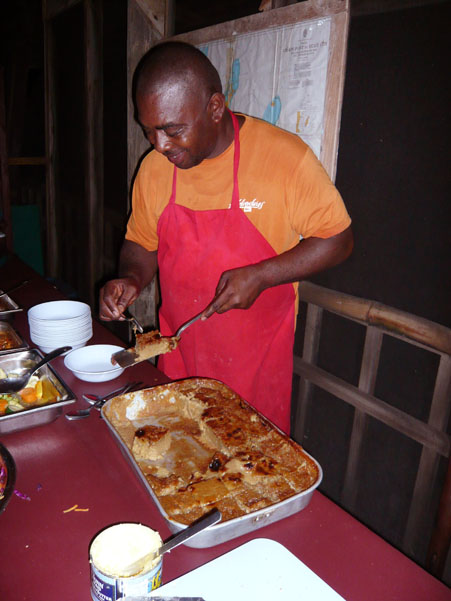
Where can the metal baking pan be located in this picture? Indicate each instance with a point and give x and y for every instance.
(35, 416)
(8, 307)
(224, 531)
(19, 342)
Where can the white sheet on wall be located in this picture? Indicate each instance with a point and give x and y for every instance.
(278, 74)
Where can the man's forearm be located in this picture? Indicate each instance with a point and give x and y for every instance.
(309, 257)
(238, 288)
(137, 263)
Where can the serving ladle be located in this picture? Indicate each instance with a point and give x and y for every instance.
(8, 385)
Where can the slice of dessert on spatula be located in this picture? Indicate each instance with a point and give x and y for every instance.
(150, 345)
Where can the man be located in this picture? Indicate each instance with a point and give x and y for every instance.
(219, 207)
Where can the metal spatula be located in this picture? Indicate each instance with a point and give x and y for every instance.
(129, 357)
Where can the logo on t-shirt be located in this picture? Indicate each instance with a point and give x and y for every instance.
(249, 205)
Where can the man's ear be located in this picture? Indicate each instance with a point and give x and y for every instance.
(216, 106)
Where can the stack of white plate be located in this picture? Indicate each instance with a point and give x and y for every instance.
(60, 323)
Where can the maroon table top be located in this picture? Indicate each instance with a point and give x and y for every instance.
(44, 551)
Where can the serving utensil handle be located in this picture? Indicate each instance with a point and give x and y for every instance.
(204, 522)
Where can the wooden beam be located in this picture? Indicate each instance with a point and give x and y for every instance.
(400, 324)
(338, 12)
(27, 161)
(441, 536)
(429, 461)
(372, 7)
(412, 427)
(312, 337)
(155, 12)
(367, 382)
(52, 8)
(4, 175)
(142, 33)
(52, 255)
(93, 100)
(295, 13)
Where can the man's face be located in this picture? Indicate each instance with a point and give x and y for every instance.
(178, 124)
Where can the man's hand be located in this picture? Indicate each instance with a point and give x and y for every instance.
(116, 296)
(239, 288)
(137, 267)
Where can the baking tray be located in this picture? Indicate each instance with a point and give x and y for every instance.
(8, 476)
(230, 529)
(36, 416)
(8, 307)
(19, 342)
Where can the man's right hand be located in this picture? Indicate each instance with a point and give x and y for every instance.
(116, 296)
(137, 267)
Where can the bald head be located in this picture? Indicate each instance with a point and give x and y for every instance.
(180, 105)
(176, 64)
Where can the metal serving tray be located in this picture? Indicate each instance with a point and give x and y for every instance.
(35, 416)
(8, 307)
(224, 531)
(19, 342)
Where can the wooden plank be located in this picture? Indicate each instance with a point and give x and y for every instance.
(155, 13)
(141, 35)
(429, 460)
(334, 92)
(27, 161)
(4, 174)
(391, 416)
(367, 381)
(52, 8)
(441, 536)
(338, 11)
(394, 321)
(52, 255)
(93, 13)
(310, 354)
(301, 11)
(371, 7)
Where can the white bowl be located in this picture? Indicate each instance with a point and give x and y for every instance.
(59, 311)
(65, 338)
(93, 363)
(48, 348)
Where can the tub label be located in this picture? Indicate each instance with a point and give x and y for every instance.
(106, 588)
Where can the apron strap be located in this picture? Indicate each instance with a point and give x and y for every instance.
(236, 162)
(174, 186)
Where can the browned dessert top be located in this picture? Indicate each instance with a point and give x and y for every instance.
(201, 446)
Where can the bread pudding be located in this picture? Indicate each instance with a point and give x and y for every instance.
(199, 446)
(153, 343)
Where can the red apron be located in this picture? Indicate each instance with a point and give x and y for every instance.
(249, 350)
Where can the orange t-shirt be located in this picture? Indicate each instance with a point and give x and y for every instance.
(284, 190)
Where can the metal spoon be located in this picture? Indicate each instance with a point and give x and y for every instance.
(82, 413)
(92, 399)
(15, 384)
(204, 522)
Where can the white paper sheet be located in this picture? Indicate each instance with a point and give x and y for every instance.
(260, 570)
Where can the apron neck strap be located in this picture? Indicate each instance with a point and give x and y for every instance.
(236, 161)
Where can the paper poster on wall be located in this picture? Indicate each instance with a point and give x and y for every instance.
(278, 74)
